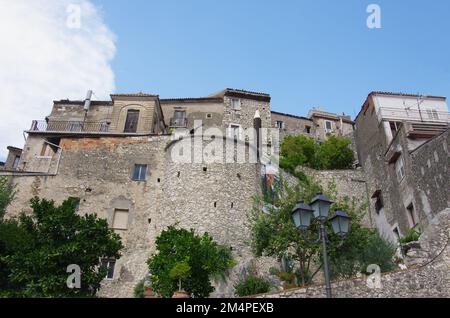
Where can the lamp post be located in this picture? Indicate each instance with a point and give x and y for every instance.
(319, 209)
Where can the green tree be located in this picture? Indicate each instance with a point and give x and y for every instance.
(204, 258)
(274, 233)
(36, 249)
(334, 153)
(7, 194)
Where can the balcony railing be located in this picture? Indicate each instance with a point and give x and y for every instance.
(68, 126)
(178, 122)
(423, 115)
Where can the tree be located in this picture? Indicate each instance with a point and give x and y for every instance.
(36, 249)
(333, 153)
(274, 233)
(184, 256)
(7, 194)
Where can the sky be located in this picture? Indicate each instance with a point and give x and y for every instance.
(310, 53)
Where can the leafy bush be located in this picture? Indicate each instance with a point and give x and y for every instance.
(6, 195)
(252, 285)
(194, 259)
(411, 236)
(139, 290)
(36, 249)
(333, 153)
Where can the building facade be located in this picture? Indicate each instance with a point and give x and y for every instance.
(119, 159)
(402, 142)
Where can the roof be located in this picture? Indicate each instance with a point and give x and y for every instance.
(81, 102)
(405, 95)
(140, 94)
(11, 148)
(289, 115)
(192, 100)
(240, 93)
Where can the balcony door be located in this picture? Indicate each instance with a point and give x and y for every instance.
(131, 122)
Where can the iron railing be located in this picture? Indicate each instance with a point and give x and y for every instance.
(422, 115)
(178, 122)
(68, 126)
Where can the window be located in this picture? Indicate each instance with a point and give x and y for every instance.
(120, 221)
(236, 104)
(16, 162)
(235, 131)
(110, 265)
(308, 129)
(131, 122)
(395, 126)
(279, 124)
(412, 215)
(378, 201)
(432, 114)
(400, 169)
(396, 232)
(179, 118)
(140, 172)
(328, 126)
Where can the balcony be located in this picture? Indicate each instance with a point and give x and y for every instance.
(69, 126)
(413, 115)
(178, 122)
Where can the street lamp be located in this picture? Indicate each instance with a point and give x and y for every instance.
(319, 208)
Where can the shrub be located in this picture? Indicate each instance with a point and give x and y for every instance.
(139, 290)
(252, 285)
(333, 153)
(411, 236)
(190, 258)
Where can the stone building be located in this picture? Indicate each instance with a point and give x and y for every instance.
(403, 146)
(328, 124)
(318, 125)
(118, 158)
(292, 125)
(12, 160)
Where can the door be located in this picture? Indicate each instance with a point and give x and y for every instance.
(132, 121)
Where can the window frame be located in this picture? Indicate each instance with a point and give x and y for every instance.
(140, 177)
(113, 227)
(399, 166)
(234, 102)
(127, 120)
(107, 262)
(328, 130)
(279, 124)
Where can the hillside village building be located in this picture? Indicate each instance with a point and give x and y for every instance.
(118, 157)
(403, 145)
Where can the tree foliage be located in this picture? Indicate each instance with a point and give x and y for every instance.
(333, 153)
(252, 285)
(274, 234)
(7, 194)
(36, 249)
(194, 259)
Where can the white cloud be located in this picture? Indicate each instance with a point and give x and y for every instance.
(45, 57)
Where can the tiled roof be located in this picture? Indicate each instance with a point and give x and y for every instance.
(140, 94)
(289, 115)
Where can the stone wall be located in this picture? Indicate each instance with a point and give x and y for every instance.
(427, 277)
(349, 184)
(293, 125)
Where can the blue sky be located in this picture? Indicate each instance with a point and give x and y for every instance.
(304, 53)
